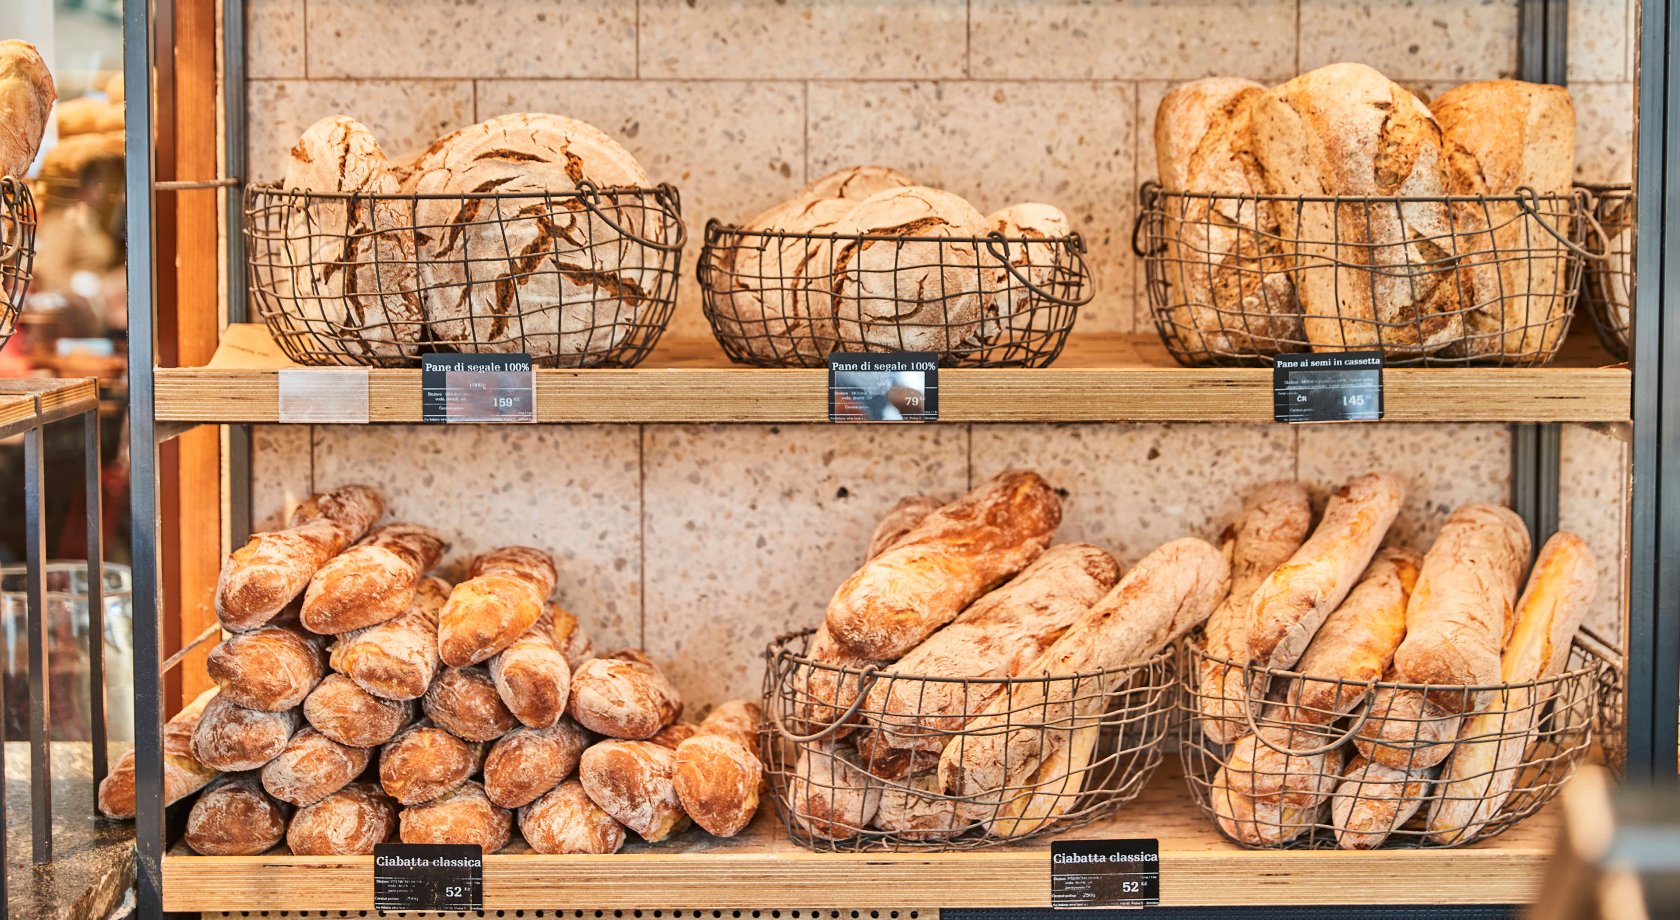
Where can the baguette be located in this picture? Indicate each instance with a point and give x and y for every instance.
(183, 775)
(1170, 591)
(232, 738)
(1052, 791)
(464, 702)
(1269, 529)
(527, 762)
(349, 822)
(1256, 822)
(532, 676)
(1356, 643)
(423, 762)
(235, 818)
(1457, 620)
(951, 558)
(828, 795)
(373, 581)
(1372, 801)
(1295, 599)
(352, 716)
(313, 767)
(565, 820)
(634, 782)
(397, 659)
(492, 609)
(623, 697)
(902, 518)
(1478, 778)
(1266, 774)
(272, 569)
(271, 668)
(462, 816)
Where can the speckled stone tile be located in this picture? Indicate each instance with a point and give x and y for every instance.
(1599, 36)
(1127, 39)
(281, 463)
(405, 115)
(1593, 502)
(1415, 39)
(1440, 466)
(750, 529)
(571, 490)
(953, 135)
(732, 148)
(1131, 487)
(472, 38)
(803, 39)
(1604, 119)
(274, 39)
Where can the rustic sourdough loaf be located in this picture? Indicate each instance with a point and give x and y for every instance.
(26, 98)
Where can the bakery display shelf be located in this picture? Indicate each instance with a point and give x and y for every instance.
(761, 868)
(1099, 377)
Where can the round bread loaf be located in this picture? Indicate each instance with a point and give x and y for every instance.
(346, 713)
(634, 781)
(424, 762)
(232, 738)
(1036, 261)
(313, 767)
(544, 276)
(350, 822)
(777, 304)
(464, 702)
(235, 818)
(272, 668)
(623, 698)
(566, 820)
(856, 182)
(527, 762)
(465, 816)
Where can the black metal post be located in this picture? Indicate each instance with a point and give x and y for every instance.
(94, 500)
(40, 707)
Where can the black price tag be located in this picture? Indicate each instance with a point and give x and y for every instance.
(477, 388)
(1105, 873)
(1342, 387)
(428, 876)
(897, 386)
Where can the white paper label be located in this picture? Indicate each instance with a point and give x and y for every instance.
(324, 395)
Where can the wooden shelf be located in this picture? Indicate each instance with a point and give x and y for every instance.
(763, 869)
(1098, 378)
(27, 403)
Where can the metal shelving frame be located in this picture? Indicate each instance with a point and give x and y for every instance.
(1653, 542)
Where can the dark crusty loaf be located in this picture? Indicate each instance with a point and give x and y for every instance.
(623, 697)
(232, 738)
(373, 581)
(350, 715)
(464, 816)
(235, 818)
(396, 659)
(350, 822)
(491, 610)
(270, 668)
(565, 820)
(464, 702)
(183, 775)
(527, 762)
(313, 767)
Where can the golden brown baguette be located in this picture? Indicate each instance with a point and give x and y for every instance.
(533, 677)
(1478, 778)
(1270, 528)
(1372, 801)
(489, 611)
(235, 818)
(1356, 643)
(565, 820)
(269, 668)
(272, 569)
(350, 715)
(397, 659)
(350, 822)
(183, 775)
(936, 570)
(634, 781)
(1254, 821)
(373, 581)
(1273, 773)
(1296, 598)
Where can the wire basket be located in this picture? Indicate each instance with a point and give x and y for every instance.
(17, 251)
(1427, 281)
(1328, 764)
(1610, 280)
(783, 299)
(1080, 747)
(584, 278)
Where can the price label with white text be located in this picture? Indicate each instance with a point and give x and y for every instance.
(1088, 874)
(426, 876)
(478, 388)
(1341, 387)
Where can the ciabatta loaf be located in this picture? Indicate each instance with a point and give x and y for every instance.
(350, 822)
(235, 818)
(183, 774)
(490, 610)
(463, 816)
(272, 569)
(373, 581)
(396, 659)
(566, 820)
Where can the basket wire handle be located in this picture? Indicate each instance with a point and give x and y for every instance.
(998, 245)
(1344, 738)
(1588, 202)
(9, 248)
(1528, 201)
(1146, 197)
(590, 196)
(870, 675)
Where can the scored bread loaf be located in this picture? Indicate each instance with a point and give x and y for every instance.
(235, 817)
(346, 713)
(1505, 135)
(634, 781)
(565, 820)
(1271, 526)
(1346, 130)
(1225, 261)
(373, 581)
(464, 815)
(829, 796)
(349, 822)
(396, 659)
(623, 696)
(995, 638)
(464, 702)
(272, 569)
(1356, 643)
(1291, 604)
(1457, 621)
(1374, 800)
(1170, 591)
(423, 762)
(489, 611)
(532, 676)
(776, 305)
(527, 762)
(1028, 226)
(26, 98)
(313, 767)
(1478, 779)
(569, 636)
(717, 771)
(232, 738)
(956, 554)
(183, 775)
(269, 668)
(856, 182)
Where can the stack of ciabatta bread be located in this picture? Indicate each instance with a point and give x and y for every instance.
(1344, 614)
(970, 593)
(868, 259)
(377, 277)
(359, 698)
(1397, 266)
